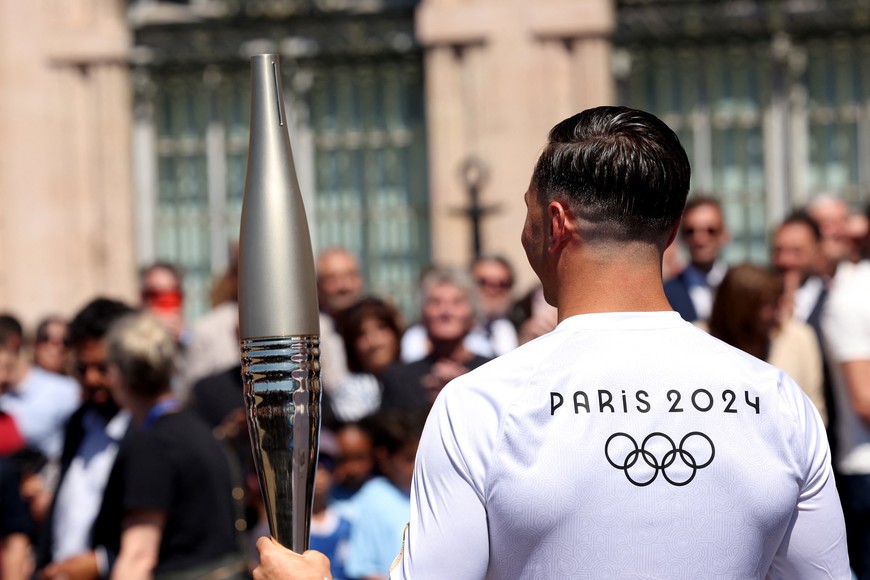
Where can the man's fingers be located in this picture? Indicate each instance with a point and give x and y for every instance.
(279, 563)
(317, 559)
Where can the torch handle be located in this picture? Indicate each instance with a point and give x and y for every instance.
(282, 397)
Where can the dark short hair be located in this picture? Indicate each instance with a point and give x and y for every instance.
(10, 327)
(351, 322)
(621, 169)
(93, 321)
(802, 217)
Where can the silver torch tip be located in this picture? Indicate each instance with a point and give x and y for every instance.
(277, 284)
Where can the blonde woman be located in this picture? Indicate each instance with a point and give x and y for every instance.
(179, 520)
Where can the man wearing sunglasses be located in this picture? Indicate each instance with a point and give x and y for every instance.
(703, 232)
(81, 535)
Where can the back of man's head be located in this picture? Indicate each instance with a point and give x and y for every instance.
(94, 320)
(622, 170)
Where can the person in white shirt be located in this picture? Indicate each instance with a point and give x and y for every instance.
(496, 334)
(81, 535)
(626, 443)
(846, 322)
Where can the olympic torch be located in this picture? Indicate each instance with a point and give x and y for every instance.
(279, 327)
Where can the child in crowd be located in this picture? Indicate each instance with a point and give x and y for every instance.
(330, 530)
(383, 505)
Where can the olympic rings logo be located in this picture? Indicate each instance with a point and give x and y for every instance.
(678, 464)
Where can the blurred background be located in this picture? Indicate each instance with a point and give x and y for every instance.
(415, 124)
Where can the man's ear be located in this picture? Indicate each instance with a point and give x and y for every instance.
(562, 226)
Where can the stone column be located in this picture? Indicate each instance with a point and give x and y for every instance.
(499, 74)
(66, 216)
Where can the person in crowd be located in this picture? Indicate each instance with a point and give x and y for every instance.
(16, 526)
(330, 529)
(213, 344)
(41, 402)
(449, 310)
(11, 332)
(533, 316)
(80, 538)
(416, 344)
(383, 504)
(832, 215)
(162, 294)
(746, 314)
(705, 236)
(796, 254)
(846, 324)
(371, 333)
(339, 281)
(218, 400)
(178, 509)
(496, 334)
(355, 462)
(339, 286)
(627, 442)
(857, 231)
(50, 350)
(11, 439)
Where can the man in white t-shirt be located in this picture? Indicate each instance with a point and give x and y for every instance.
(626, 443)
(846, 323)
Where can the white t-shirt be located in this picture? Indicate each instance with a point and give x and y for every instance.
(80, 494)
(846, 322)
(627, 445)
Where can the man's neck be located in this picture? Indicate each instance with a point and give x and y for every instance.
(610, 284)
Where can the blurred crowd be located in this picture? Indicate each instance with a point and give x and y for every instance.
(123, 440)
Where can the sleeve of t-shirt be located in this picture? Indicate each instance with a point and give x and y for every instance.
(447, 536)
(147, 475)
(814, 545)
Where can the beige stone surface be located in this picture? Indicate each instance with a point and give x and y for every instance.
(499, 74)
(66, 223)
